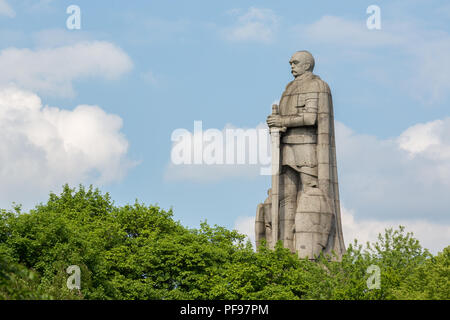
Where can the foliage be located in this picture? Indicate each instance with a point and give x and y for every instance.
(430, 280)
(140, 252)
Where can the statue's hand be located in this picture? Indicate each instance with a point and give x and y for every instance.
(274, 121)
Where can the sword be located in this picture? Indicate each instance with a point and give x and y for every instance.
(275, 139)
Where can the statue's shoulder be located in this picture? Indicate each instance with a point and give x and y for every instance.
(289, 84)
(315, 84)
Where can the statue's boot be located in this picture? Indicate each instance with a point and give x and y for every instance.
(313, 221)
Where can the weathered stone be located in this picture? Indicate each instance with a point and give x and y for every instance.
(304, 203)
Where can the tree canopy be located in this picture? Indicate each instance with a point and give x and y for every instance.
(140, 252)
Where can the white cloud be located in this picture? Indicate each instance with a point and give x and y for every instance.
(43, 147)
(6, 10)
(428, 139)
(255, 25)
(407, 177)
(53, 70)
(433, 236)
(246, 226)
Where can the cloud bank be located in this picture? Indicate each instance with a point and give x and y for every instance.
(43, 147)
(255, 25)
(52, 71)
(405, 177)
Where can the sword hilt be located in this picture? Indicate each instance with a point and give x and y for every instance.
(275, 110)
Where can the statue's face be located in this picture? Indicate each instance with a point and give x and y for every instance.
(298, 64)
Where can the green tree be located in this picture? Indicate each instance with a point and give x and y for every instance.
(429, 281)
(140, 252)
(396, 254)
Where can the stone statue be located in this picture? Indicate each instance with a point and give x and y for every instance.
(302, 208)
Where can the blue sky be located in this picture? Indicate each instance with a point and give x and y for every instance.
(136, 71)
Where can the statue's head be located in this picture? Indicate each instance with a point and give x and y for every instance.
(301, 62)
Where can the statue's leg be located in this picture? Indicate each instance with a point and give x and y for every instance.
(307, 181)
(289, 180)
(307, 217)
(313, 218)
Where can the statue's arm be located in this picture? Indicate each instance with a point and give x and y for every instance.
(307, 117)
